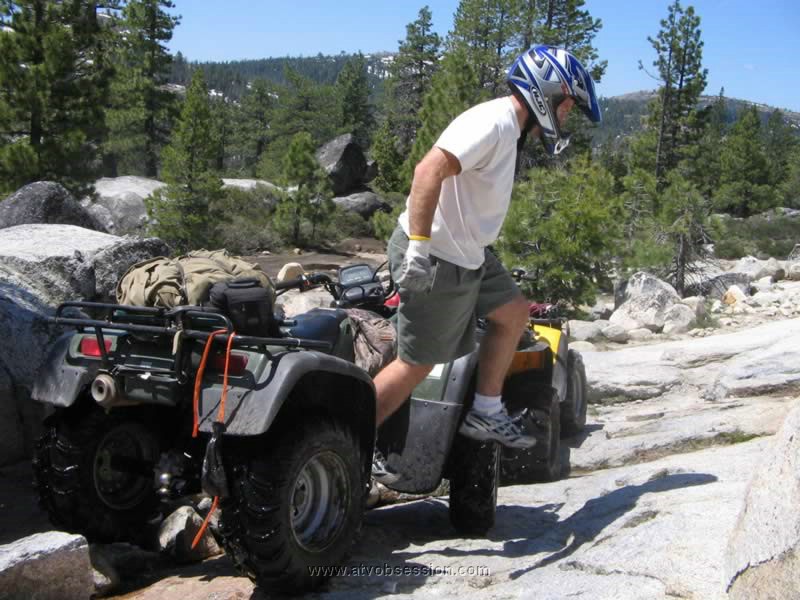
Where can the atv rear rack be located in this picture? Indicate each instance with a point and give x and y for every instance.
(172, 322)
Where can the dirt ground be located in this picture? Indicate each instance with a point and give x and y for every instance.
(348, 252)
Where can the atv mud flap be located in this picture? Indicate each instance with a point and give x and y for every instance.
(213, 478)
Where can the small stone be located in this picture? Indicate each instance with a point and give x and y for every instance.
(179, 530)
(724, 322)
(716, 307)
(297, 251)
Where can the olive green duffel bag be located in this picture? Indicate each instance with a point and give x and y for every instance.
(186, 280)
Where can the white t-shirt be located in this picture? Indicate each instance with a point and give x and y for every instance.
(473, 204)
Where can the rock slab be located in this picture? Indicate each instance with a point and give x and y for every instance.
(763, 556)
(46, 566)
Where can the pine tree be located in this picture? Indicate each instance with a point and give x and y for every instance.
(484, 30)
(254, 126)
(563, 227)
(679, 51)
(707, 129)
(352, 92)
(224, 115)
(454, 89)
(685, 216)
(181, 210)
(310, 196)
(779, 145)
(744, 171)
(303, 107)
(142, 111)
(566, 25)
(53, 86)
(411, 73)
(386, 154)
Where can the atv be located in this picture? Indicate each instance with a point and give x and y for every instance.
(150, 404)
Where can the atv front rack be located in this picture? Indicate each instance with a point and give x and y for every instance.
(169, 322)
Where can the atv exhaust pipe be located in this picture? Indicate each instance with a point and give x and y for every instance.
(105, 392)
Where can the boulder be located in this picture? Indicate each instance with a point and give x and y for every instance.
(601, 310)
(794, 272)
(763, 555)
(43, 202)
(765, 298)
(794, 255)
(295, 302)
(616, 333)
(365, 204)
(177, 532)
(697, 304)
(344, 162)
(119, 207)
(647, 299)
(63, 262)
(764, 284)
(583, 331)
(46, 566)
(290, 270)
(733, 295)
(680, 318)
(40, 267)
(640, 334)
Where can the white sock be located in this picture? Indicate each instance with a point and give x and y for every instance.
(487, 405)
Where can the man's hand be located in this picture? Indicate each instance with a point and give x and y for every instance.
(417, 271)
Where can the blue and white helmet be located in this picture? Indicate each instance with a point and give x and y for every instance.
(544, 76)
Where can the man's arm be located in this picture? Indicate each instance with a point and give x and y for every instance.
(436, 166)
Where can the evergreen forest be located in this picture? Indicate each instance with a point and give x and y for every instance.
(88, 89)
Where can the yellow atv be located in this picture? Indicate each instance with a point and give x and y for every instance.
(546, 370)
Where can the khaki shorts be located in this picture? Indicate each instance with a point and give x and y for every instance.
(439, 326)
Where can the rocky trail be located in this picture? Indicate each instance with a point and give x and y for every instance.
(659, 479)
(685, 483)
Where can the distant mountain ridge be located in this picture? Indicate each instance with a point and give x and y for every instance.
(622, 115)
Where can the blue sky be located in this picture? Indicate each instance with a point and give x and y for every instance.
(751, 48)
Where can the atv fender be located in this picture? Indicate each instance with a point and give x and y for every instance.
(560, 371)
(340, 386)
(60, 383)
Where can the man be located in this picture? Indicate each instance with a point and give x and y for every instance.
(458, 201)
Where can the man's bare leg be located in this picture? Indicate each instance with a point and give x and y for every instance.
(488, 419)
(506, 324)
(395, 383)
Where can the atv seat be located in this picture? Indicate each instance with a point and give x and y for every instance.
(323, 324)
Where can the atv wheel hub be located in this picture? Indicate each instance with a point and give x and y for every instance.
(318, 501)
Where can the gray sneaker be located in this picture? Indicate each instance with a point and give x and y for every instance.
(500, 427)
(381, 472)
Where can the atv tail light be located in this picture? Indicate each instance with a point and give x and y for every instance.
(236, 365)
(90, 347)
